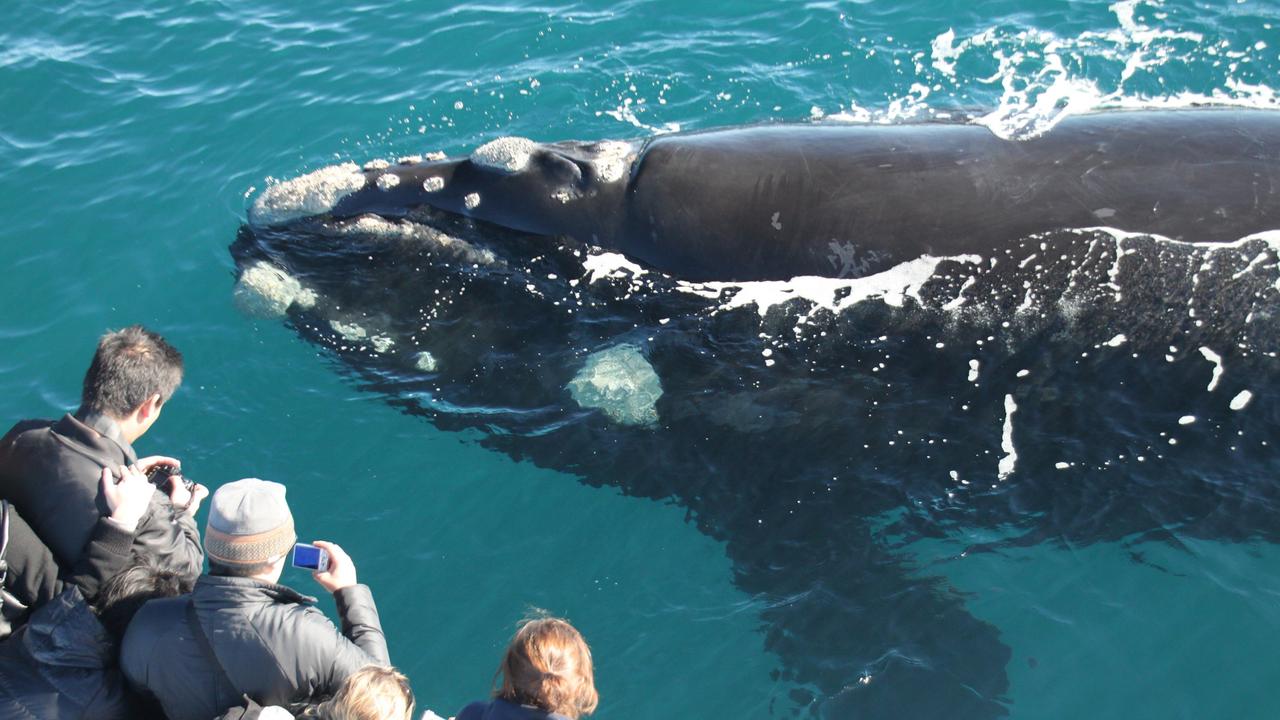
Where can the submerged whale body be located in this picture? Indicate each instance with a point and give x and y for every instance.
(993, 377)
(781, 201)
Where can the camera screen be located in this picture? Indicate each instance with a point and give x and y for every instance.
(306, 556)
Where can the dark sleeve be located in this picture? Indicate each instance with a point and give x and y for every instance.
(360, 623)
(474, 711)
(34, 577)
(171, 537)
(322, 656)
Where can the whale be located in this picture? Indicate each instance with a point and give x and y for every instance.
(1100, 371)
(848, 200)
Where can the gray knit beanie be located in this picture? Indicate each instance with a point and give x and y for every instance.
(249, 523)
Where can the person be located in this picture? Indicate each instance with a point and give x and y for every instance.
(62, 663)
(50, 470)
(372, 693)
(546, 675)
(32, 576)
(240, 633)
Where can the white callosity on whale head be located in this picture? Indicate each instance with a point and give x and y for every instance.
(386, 181)
(507, 154)
(265, 290)
(612, 160)
(315, 193)
(620, 382)
(375, 226)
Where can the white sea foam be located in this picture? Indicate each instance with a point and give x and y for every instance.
(610, 265)
(1216, 359)
(620, 382)
(1241, 400)
(508, 154)
(312, 194)
(265, 290)
(1009, 462)
(892, 287)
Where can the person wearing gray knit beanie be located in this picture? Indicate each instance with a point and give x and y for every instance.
(240, 633)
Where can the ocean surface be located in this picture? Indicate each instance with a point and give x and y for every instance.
(1030, 512)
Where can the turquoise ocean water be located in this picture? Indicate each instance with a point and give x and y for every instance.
(133, 136)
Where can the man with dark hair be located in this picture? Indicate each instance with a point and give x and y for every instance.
(62, 663)
(242, 634)
(50, 470)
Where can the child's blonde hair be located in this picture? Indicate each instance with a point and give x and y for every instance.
(548, 665)
(373, 693)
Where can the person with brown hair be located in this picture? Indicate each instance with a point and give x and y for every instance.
(51, 470)
(546, 674)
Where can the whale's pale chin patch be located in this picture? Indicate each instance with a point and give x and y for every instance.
(266, 291)
(507, 154)
(620, 382)
(312, 194)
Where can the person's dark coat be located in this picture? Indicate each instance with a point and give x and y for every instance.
(499, 709)
(33, 576)
(52, 471)
(62, 665)
(273, 646)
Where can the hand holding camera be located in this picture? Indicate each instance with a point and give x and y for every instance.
(165, 473)
(341, 571)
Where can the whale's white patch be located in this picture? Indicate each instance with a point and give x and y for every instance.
(612, 160)
(425, 361)
(1186, 419)
(974, 367)
(508, 154)
(472, 201)
(376, 165)
(433, 184)
(381, 343)
(1009, 462)
(775, 222)
(1117, 341)
(620, 382)
(265, 290)
(409, 160)
(312, 194)
(435, 156)
(349, 331)
(386, 181)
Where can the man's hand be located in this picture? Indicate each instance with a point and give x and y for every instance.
(145, 464)
(187, 501)
(341, 573)
(129, 497)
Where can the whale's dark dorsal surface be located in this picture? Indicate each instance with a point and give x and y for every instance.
(780, 201)
(1012, 358)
